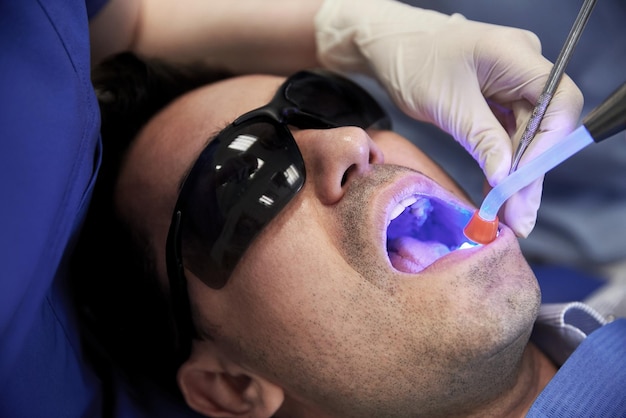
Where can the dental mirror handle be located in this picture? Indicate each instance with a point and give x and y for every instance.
(553, 81)
(609, 117)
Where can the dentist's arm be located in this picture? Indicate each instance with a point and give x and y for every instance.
(244, 36)
(465, 77)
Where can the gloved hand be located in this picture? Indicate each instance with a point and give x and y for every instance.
(478, 82)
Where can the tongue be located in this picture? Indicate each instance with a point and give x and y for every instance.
(410, 255)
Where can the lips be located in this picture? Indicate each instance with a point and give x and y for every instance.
(422, 229)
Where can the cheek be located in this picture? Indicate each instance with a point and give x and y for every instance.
(295, 286)
(289, 267)
(280, 273)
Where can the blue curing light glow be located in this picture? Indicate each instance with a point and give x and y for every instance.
(426, 230)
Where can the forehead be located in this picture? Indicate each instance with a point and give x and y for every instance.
(182, 129)
(171, 141)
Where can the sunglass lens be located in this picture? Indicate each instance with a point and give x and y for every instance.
(335, 99)
(253, 174)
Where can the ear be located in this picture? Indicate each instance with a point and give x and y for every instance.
(216, 386)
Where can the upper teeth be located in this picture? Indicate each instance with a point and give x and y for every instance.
(420, 207)
(405, 203)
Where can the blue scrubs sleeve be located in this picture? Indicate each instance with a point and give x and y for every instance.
(49, 154)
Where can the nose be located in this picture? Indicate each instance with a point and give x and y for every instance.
(333, 157)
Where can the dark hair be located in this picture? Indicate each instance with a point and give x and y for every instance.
(125, 317)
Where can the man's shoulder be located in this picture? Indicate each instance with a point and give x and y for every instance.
(592, 379)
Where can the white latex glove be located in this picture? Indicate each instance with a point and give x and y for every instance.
(478, 82)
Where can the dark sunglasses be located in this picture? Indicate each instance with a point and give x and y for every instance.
(248, 173)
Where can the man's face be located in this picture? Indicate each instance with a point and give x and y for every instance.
(317, 304)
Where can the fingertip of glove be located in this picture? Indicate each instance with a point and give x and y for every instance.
(520, 217)
(522, 226)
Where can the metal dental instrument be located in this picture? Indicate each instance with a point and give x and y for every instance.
(553, 81)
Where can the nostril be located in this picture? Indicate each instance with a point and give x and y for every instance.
(347, 173)
(375, 155)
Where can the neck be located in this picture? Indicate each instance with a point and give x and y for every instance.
(536, 371)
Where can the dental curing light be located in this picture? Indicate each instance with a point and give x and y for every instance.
(602, 122)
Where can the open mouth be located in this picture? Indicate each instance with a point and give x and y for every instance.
(422, 230)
